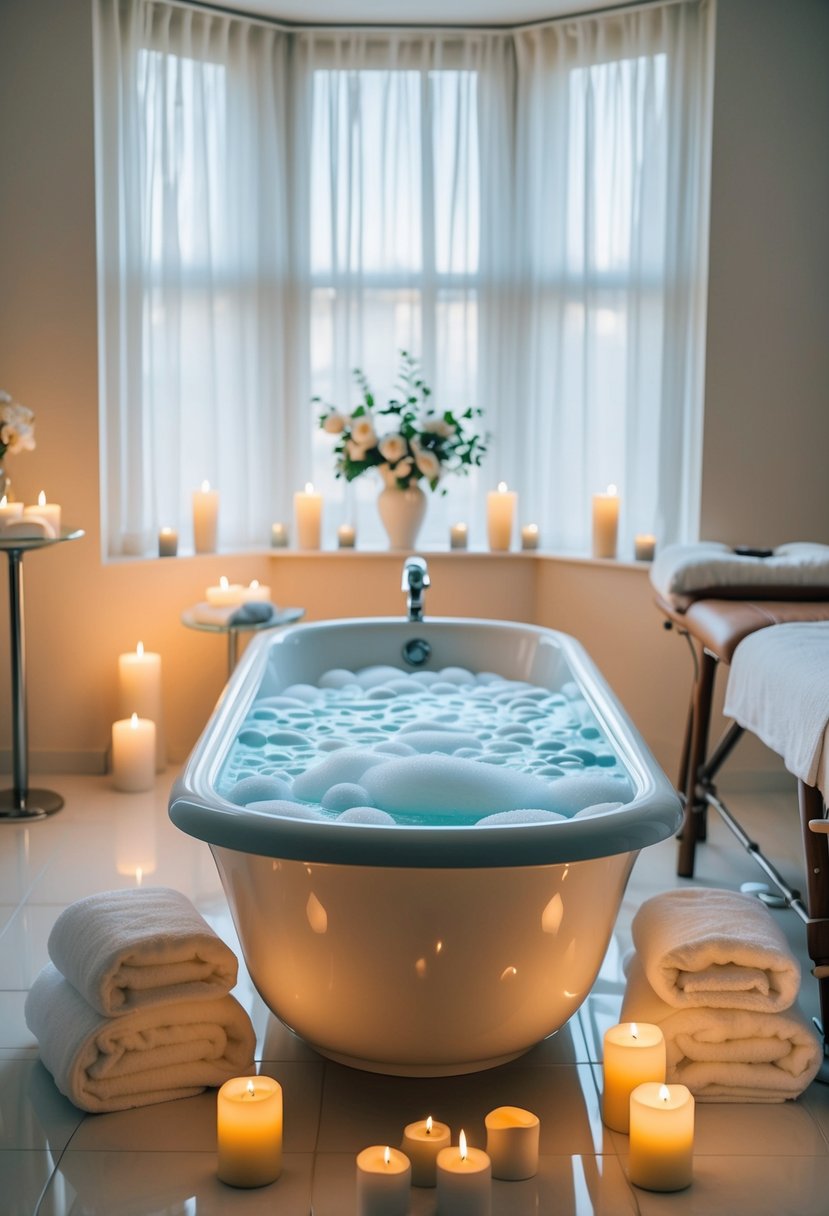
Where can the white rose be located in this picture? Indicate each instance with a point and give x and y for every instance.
(363, 433)
(393, 448)
(438, 426)
(334, 423)
(429, 465)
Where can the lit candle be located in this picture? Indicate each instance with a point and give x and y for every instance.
(225, 593)
(605, 523)
(422, 1141)
(458, 536)
(512, 1136)
(49, 512)
(633, 1053)
(661, 1137)
(346, 536)
(139, 691)
(464, 1181)
(205, 518)
(500, 509)
(308, 517)
(256, 592)
(9, 511)
(167, 542)
(384, 1178)
(644, 547)
(249, 1131)
(133, 754)
(529, 536)
(279, 536)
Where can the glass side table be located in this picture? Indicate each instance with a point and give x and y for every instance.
(281, 616)
(20, 802)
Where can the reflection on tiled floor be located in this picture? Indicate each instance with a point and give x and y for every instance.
(161, 1160)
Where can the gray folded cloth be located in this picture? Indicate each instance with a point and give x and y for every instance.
(255, 612)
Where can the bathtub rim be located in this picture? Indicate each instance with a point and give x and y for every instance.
(196, 808)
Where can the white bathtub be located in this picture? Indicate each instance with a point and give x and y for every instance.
(422, 950)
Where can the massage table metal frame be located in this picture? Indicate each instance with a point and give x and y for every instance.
(713, 628)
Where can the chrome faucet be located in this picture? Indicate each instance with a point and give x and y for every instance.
(415, 581)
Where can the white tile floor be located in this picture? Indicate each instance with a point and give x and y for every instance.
(54, 1160)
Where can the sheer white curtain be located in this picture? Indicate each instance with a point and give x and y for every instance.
(202, 347)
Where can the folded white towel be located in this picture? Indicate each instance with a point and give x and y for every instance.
(151, 1055)
(728, 1055)
(703, 947)
(683, 573)
(126, 949)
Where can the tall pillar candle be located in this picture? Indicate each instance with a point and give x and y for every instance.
(384, 1179)
(249, 1131)
(139, 691)
(661, 1137)
(133, 754)
(422, 1141)
(500, 512)
(633, 1053)
(308, 517)
(205, 519)
(605, 523)
(464, 1181)
(512, 1137)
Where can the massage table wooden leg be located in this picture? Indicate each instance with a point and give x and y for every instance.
(694, 825)
(816, 851)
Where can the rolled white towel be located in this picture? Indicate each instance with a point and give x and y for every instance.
(706, 948)
(123, 950)
(728, 1055)
(151, 1055)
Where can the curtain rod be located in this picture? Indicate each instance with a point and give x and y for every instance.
(294, 27)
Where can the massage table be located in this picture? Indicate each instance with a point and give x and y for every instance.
(716, 598)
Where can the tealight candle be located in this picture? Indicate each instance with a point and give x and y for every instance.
(661, 1137)
(9, 511)
(225, 593)
(529, 536)
(249, 1131)
(633, 1053)
(279, 536)
(139, 691)
(384, 1178)
(605, 523)
(167, 542)
(346, 536)
(512, 1136)
(500, 509)
(256, 592)
(458, 536)
(133, 754)
(308, 517)
(422, 1141)
(644, 547)
(48, 511)
(464, 1181)
(205, 518)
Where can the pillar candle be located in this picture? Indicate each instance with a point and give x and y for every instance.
(346, 536)
(256, 592)
(422, 1141)
(500, 509)
(46, 512)
(279, 536)
(249, 1131)
(205, 518)
(458, 536)
(529, 536)
(133, 754)
(225, 593)
(308, 517)
(139, 691)
(512, 1137)
(167, 542)
(605, 523)
(9, 511)
(644, 547)
(384, 1179)
(661, 1137)
(633, 1053)
(464, 1181)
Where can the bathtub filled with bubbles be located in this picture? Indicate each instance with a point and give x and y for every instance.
(424, 860)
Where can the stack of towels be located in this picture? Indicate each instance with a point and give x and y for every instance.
(712, 969)
(134, 1007)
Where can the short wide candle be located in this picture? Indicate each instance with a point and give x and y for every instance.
(422, 1141)
(661, 1137)
(633, 1053)
(464, 1181)
(500, 510)
(605, 523)
(384, 1179)
(133, 754)
(249, 1131)
(512, 1136)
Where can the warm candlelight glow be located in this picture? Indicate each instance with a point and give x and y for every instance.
(664, 1094)
(309, 487)
(223, 583)
(462, 1145)
(251, 1090)
(611, 489)
(139, 648)
(3, 501)
(41, 498)
(387, 1156)
(134, 722)
(502, 487)
(205, 487)
(254, 583)
(634, 1032)
(429, 1125)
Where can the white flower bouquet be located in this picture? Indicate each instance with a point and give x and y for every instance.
(17, 427)
(406, 440)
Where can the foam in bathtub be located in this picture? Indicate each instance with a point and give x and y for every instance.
(286, 810)
(259, 789)
(522, 816)
(350, 764)
(438, 784)
(344, 796)
(368, 815)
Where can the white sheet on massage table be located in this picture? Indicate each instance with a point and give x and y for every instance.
(778, 688)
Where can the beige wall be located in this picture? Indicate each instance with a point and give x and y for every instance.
(766, 386)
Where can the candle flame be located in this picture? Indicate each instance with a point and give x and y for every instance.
(139, 874)
(223, 583)
(254, 586)
(250, 1090)
(611, 489)
(664, 1093)
(634, 1031)
(134, 722)
(429, 1126)
(41, 498)
(139, 648)
(387, 1156)
(462, 1149)
(205, 486)
(502, 487)
(3, 501)
(309, 487)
